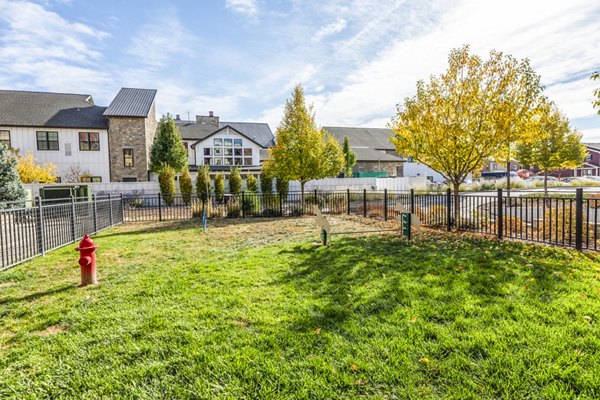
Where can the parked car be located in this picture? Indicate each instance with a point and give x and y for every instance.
(571, 179)
(498, 175)
(524, 174)
(540, 178)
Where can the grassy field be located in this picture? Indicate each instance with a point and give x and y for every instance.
(259, 310)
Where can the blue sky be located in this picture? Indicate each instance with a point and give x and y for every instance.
(240, 58)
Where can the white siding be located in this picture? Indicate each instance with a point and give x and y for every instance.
(227, 134)
(191, 153)
(96, 162)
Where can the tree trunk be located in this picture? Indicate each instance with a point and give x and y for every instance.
(302, 195)
(456, 204)
(508, 178)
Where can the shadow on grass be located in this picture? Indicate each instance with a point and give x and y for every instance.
(359, 277)
(37, 295)
(182, 224)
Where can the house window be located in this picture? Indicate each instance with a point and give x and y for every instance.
(247, 161)
(90, 179)
(207, 161)
(129, 179)
(248, 152)
(228, 152)
(218, 151)
(237, 142)
(47, 140)
(89, 141)
(128, 157)
(228, 161)
(5, 138)
(588, 157)
(237, 161)
(207, 151)
(218, 161)
(237, 152)
(227, 142)
(218, 142)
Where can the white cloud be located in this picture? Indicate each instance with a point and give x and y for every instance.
(331, 29)
(48, 51)
(560, 39)
(246, 7)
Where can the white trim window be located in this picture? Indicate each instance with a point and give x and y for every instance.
(5, 138)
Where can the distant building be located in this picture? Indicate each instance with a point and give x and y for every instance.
(103, 144)
(222, 145)
(373, 147)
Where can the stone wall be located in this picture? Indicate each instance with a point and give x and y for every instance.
(376, 166)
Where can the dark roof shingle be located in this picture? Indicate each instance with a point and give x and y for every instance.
(375, 138)
(130, 102)
(50, 110)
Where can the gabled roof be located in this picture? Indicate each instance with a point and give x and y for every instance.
(366, 154)
(255, 131)
(595, 146)
(374, 138)
(50, 110)
(222, 129)
(130, 102)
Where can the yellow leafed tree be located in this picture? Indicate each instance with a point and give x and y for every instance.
(469, 113)
(32, 172)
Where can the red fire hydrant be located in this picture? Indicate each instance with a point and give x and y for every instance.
(87, 261)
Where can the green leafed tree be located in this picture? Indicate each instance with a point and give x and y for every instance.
(219, 187)
(266, 182)
(596, 101)
(186, 187)
(302, 151)
(555, 145)
(252, 184)
(283, 187)
(468, 114)
(166, 181)
(203, 181)
(349, 157)
(235, 181)
(11, 188)
(168, 148)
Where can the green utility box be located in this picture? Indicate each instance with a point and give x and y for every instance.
(367, 174)
(62, 193)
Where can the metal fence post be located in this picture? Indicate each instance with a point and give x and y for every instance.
(385, 205)
(73, 232)
(316, 203)
(110, 210)
(412, 201)
(365, 203)
(243, 205)
(500, 215)
(449, 208)
(348, 200)
(280, 205)
(40, 230)
(95, 213)
(579, 219)
(122, 208)
(159, 207)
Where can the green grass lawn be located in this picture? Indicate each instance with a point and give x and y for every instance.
(259, 310)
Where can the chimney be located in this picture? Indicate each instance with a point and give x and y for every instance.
(208, 120)
(177, 117)
(210, 113)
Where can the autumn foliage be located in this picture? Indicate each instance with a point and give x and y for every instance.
(32, 172)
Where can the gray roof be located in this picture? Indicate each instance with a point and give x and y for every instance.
(259, 132)
(50, 110)
(131, 102)
(375, 138)
(594, 145)
(366, 154)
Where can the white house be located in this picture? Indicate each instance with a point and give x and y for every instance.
(222, 145)
(87, 143)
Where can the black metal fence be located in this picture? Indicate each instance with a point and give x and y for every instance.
(30, 229)
(565, 221)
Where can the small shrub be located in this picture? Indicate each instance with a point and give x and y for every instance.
(186, 187)
(514, 184)
(554, 221)
(235, 181)
(219, 187)
(250, 205)
(203, 181)
(584, 182)
(266, 183)
(166, 181)
(251, 184)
